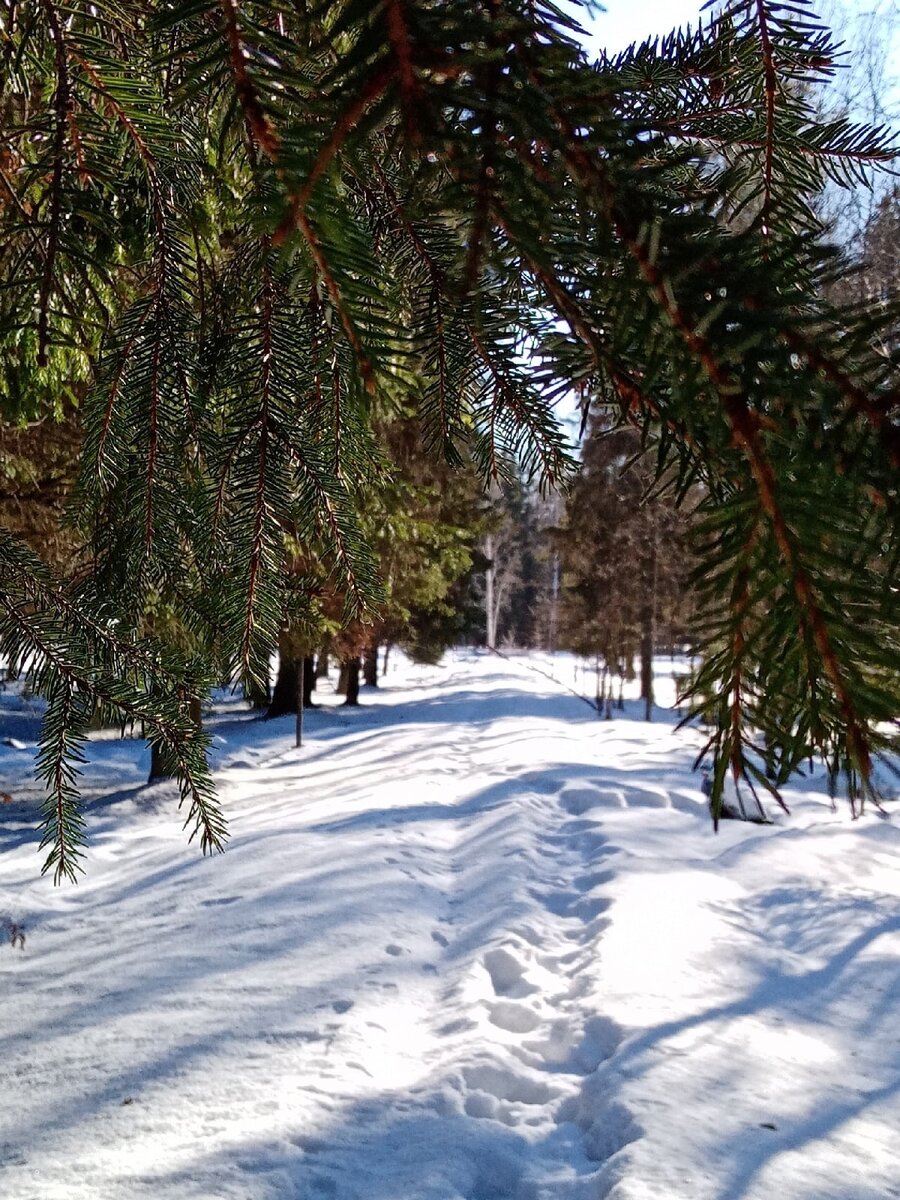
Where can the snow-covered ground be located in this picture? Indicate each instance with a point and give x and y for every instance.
(468, 943)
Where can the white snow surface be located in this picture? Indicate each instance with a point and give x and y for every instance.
(469, 942)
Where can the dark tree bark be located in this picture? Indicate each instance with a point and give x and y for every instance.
(370, 666)
(322, 661)
(343, 673)
(162, 765)
(352, 682)
(300, 690)
(648, 623)
(284, 694)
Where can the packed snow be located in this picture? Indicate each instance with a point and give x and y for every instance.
(469, 942)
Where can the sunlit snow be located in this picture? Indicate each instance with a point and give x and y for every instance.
(470, 942)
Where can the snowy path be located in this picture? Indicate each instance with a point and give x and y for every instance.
(467, 944)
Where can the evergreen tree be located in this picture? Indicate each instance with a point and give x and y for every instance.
(243, 225)
(519, 577)
(624, 559)
(422, 520)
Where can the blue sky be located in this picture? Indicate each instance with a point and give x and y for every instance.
(626, 21)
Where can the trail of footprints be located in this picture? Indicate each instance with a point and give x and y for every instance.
(551, 1053)
(537, 987)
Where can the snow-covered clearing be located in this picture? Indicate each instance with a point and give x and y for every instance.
(468, 943)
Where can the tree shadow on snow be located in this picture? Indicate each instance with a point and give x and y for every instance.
(807, 996)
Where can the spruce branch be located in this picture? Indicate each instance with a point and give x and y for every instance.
(746, 429)
(247, 96)
(879, 410)
(374, 90)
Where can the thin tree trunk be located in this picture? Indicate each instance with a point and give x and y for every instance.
(648, 624)
(352, 698)
(553, 614)
(600, 686)
(370, 666)
(490, 613)
(387, 650)
(298, 740)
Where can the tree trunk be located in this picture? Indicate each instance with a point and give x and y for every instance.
(352, 682)
(322, 661)
(490, 612)
(309, 680)
(387, 650)
(284, 694)
(343, 675)
(300, 689)
(370, 666)
(162, 766)
(648, 624)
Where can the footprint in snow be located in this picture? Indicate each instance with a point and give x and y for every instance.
(586, 934)
(514, 1018)
(573, 904)
(591, 880)
(577, 801)
(342, 1006)
(648, 798)
(462, 1025)
(504, 1084)
(507, 974)
(393, 949)
(481, 1106)
(607, 1128)
(579, 1050)
(440, 939)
